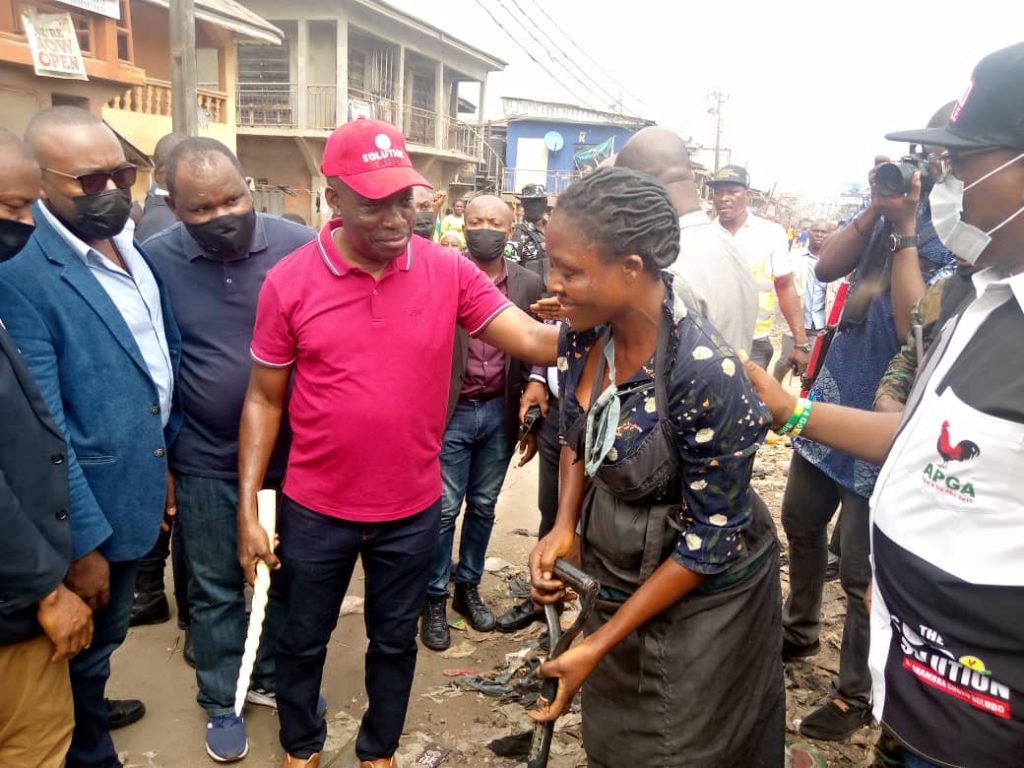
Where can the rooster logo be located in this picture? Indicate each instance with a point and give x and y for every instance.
(962, 451)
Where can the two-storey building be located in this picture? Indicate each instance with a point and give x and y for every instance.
(342, 59)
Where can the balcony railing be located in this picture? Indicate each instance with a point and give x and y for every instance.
(372, 106)
(555, 182)
(276, 105)
(154, 98)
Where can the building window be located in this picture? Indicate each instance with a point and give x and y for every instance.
(124, 34)
(83, 23)
(266, 95)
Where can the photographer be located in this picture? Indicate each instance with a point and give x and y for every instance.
(892, 249)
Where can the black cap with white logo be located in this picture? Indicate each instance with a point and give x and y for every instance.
(991, 111)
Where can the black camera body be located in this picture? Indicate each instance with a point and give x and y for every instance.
(893, 179)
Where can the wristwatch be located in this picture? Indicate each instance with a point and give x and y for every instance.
(805, 347)
(899, 242)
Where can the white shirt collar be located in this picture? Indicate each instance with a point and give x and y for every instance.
(123, 240)
(996, 279)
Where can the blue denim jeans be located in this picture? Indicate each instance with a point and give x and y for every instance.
(474, 458)
(318, 554)
(91, 745)
(208, 518)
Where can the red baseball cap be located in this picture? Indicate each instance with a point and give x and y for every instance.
(371, 158)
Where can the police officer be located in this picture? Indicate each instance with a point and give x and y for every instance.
(528, 236)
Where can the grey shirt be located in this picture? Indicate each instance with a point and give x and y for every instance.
(136, 295)
(714, 280)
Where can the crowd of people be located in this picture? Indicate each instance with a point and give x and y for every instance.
(381, 374)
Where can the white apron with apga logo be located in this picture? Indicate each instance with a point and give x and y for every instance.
(947, 620)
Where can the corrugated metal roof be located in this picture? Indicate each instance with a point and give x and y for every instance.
(557, 112)
(232, 16)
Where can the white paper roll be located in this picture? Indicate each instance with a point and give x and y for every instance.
(266, 512)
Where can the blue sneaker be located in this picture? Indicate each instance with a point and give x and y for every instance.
(226, 741)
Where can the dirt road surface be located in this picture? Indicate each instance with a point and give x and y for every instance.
(449, 723)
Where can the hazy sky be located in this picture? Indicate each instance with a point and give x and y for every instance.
(812, 86)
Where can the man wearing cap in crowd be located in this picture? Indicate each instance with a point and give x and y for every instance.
(528, 236)
(765, 246)
(947, 520)
(359, 326)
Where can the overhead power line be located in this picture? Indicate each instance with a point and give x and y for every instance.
(529, 53)
(564, 59)
(590, 58)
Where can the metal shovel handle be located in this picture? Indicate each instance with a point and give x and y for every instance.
(558, 642)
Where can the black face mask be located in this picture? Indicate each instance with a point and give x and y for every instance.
(101, 216)
(13, 236)
(424, 226)
(227, 236)
(485, 244)
(534, 210)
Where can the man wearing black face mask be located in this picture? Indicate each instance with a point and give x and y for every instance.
(214, 262)
(427, 204)
(481, 431)
(42, 622)
(96, 331)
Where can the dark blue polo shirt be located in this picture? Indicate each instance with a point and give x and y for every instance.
(214, 302)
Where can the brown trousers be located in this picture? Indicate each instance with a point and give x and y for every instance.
(36, 711)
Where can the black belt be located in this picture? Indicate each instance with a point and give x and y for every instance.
(482, 397)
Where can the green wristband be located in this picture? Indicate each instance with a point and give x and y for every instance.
(786, 428)
(802, 422)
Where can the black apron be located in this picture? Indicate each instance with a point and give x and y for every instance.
(700, 685)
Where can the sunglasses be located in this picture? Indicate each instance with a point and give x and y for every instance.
(93, 183)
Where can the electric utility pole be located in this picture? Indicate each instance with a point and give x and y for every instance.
(184, 80)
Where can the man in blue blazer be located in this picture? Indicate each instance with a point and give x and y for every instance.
(95, 328)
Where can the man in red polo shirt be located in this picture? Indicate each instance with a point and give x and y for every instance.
(361, 324)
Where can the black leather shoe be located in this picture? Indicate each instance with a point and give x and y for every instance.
(468, 602)
(149, 608)
(434, 630)
(519, 617)
(122, 712)
(187, 652)
(835, 721)
(791, 651)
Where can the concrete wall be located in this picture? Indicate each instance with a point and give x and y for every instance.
(22, 94)
(278, 161)
(322, 61)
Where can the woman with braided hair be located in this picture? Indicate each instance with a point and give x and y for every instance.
(681, 661)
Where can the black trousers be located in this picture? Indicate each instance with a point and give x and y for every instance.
(811, 499)
(548, 450)
(318, 554)
(150, 576)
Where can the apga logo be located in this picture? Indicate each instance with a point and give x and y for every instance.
(965, 450)
(937, 477)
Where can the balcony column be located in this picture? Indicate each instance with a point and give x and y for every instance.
(301, 118)
(480, 106)
(341, 66)
(403, 123)
(440, 128)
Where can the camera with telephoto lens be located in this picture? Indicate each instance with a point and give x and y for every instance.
(893, 179)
